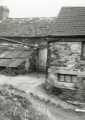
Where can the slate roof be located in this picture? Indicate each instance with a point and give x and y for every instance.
(11, 62)
(69, 22)
(26, 27)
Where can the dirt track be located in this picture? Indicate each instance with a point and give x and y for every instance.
(53, 112)
(30, 85)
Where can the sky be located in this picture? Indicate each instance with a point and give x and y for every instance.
(38, 8)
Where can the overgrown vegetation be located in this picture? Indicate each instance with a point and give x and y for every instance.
(78, 94)
(15, 106)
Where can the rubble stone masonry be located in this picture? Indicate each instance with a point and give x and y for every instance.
(65, 56)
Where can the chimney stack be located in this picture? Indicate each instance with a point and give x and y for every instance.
(4, 13)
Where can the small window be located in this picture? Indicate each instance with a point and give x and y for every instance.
(83, 50)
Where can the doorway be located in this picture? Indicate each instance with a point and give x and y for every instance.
(41, 59)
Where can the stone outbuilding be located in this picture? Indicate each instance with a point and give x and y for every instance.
(52, 45)
(23, 43)
(66, 48)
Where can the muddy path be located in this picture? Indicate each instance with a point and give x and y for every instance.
(53, 112)
(30, 84)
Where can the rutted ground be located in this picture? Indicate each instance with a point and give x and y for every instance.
(53, 107)
(48, 105)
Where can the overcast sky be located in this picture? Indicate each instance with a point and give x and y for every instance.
(38, 8)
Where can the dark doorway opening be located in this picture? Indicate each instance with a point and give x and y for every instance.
(38, 60)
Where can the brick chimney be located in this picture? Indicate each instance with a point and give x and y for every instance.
(4, 13)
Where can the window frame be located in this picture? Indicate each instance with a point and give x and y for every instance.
(82, 51)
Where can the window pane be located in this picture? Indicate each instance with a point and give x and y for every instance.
(62, 78)
(68, 78)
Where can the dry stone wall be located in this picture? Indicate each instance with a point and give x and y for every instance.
(65, 56)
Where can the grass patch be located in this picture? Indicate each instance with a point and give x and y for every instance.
(15, 106)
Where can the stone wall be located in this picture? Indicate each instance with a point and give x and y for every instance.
(65, 56)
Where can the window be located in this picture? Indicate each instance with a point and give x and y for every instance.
(83, 50)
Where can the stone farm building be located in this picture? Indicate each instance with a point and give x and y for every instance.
(52, 45)
(66, 51)
(23, 44)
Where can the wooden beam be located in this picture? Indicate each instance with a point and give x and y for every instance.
(47, 63)
(12, 40)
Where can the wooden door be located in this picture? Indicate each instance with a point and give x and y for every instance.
(42, 58)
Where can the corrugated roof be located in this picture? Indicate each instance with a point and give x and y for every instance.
(16, 62)
(13, 58)
(11, 62)
(5, 62)
(14, 54)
